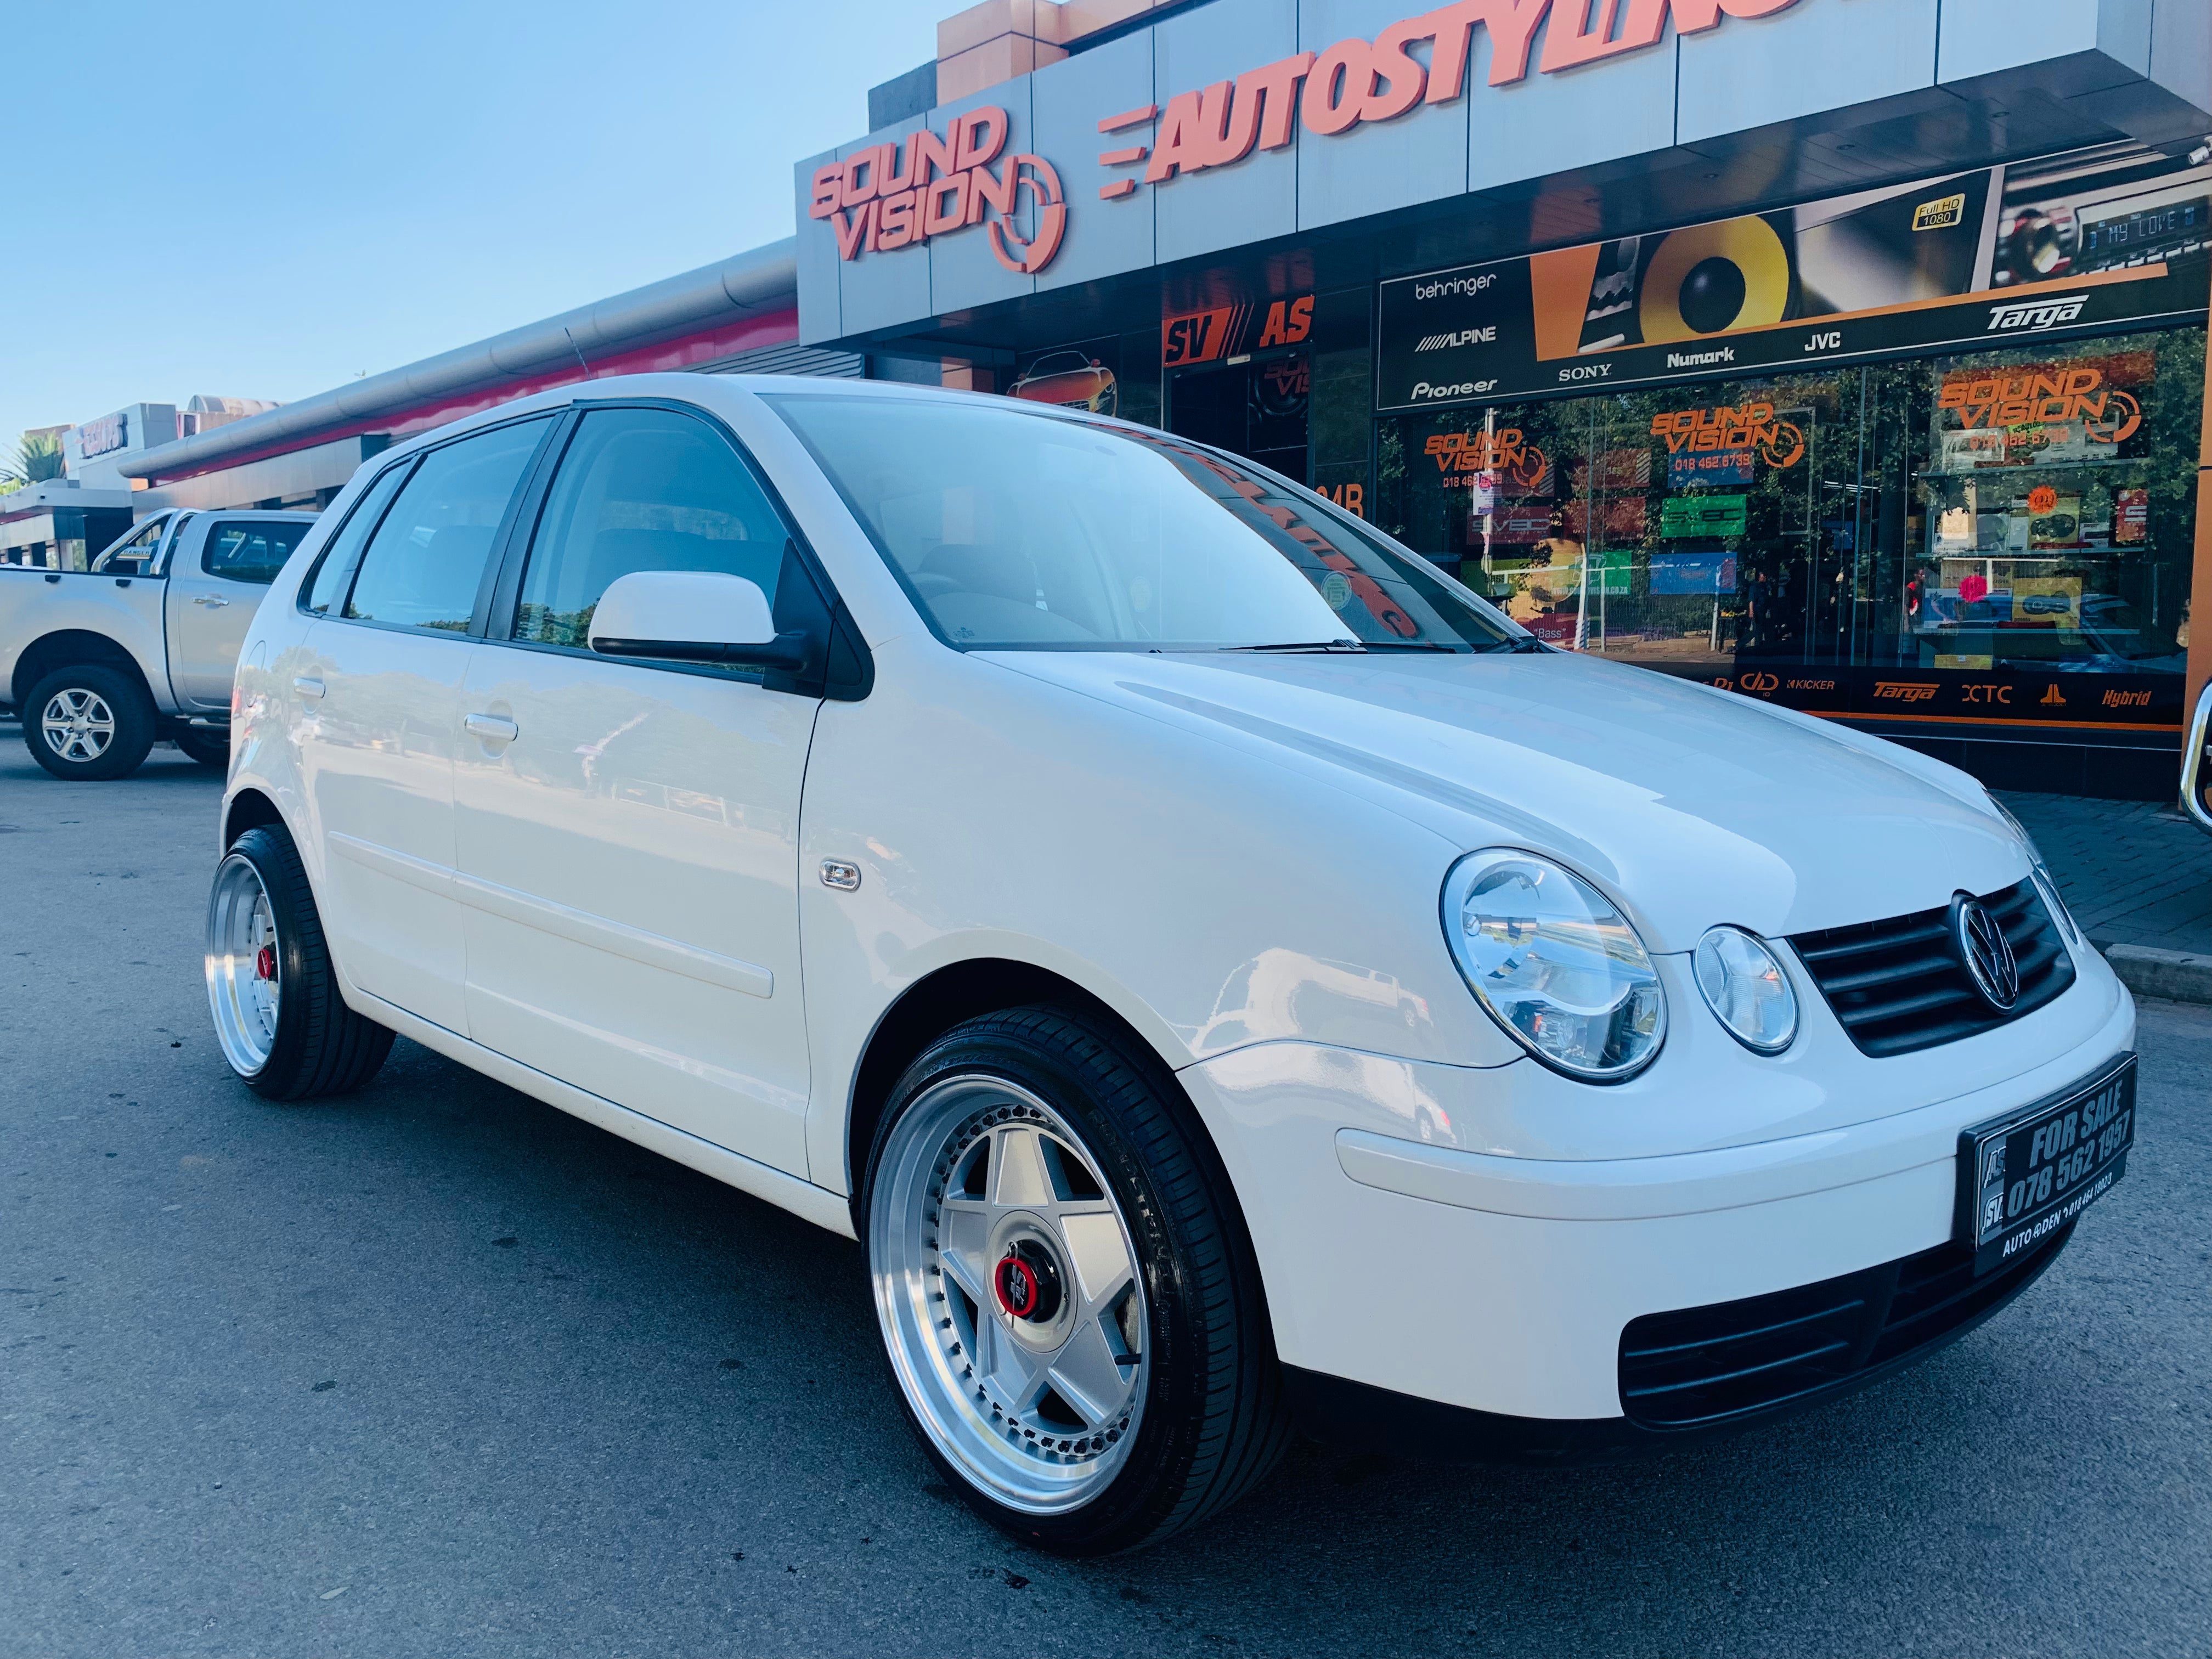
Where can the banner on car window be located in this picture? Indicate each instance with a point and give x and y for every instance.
(2073, 245)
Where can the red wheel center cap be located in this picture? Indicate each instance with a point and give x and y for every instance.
(265, 963)
(1026, 1281)
(1017, 1287)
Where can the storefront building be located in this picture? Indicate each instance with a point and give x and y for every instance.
(1845, 354)
(739, 316)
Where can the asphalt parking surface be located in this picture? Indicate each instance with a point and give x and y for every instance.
(438, 1370)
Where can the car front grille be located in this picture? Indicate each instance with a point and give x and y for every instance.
(1700, 1367)
(1898, 985)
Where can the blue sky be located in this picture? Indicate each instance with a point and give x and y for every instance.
(263, 199)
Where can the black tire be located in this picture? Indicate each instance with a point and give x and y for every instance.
(208, 748)
(130, 714)
(321, 1047)
(1214, 1418)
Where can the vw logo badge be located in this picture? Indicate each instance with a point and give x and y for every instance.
(1985, 952)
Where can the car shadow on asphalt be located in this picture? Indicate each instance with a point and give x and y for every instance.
(745, 1335)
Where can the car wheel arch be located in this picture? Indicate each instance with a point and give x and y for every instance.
(249, 809)
(959, 991)
(67, 648)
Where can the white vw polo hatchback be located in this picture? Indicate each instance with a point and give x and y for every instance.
(1227, 975)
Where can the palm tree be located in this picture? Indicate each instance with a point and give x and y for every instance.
(37, 459)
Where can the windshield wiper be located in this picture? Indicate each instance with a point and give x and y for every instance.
(1409, 645)
(1525, 643)
(1300, 645)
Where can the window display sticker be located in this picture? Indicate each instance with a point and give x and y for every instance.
(1720, 466)
(2131, 514)
(2058, 527)
(2054, 601)
(1923, 265)
(1708, 571)
(1703, 515)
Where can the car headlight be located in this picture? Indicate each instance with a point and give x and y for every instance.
(2046, 883)
(1554, 962)
(1742, 982)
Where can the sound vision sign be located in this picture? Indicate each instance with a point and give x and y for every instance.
(1962, 262)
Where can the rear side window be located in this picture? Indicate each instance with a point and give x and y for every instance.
(136, 552)
(240, 550)
(335, 574)
(426, 561)
(642, 490)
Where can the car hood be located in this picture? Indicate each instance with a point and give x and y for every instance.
(1691, 806)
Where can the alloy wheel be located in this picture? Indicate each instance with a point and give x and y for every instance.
(1007, 1283)
(77, 723)
(245, 966)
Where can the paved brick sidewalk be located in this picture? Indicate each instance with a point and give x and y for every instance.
(2133, 872)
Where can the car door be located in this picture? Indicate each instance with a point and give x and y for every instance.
(628, 831)
(219, 567)
(402, 590)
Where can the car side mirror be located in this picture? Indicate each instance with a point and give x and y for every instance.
(693, 616)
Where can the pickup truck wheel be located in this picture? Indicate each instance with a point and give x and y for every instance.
(1069, 1304)
(207, 748)
(89, 724)
(283, 1026)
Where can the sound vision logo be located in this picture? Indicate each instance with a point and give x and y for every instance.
(906, 194)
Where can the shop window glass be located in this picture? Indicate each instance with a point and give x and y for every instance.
(427, 559)
(242, 552)
(1948, 540)
(2056, 502)
(642, 490)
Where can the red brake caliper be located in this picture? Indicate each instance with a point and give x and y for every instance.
(265, 963)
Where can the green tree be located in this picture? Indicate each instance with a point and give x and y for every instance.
(36, 459)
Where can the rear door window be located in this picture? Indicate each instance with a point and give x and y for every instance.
(248, 550)
(426, 561)
(334, 575)
(642, 490)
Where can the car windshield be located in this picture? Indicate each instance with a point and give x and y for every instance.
(1016, 529)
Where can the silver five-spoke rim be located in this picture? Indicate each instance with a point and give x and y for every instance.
(78, 725)
(244, 972)
(1007, 1285)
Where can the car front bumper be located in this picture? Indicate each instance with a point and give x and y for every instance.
(1500, 1285)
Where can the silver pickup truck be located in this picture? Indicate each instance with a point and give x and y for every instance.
(100, 665)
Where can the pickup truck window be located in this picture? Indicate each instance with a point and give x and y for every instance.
(242, 551)
(134, 552)
(426, 561)
(642, 490)
(334, 575)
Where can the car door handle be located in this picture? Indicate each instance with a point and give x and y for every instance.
(492, 727)
(211, 600)
(307, 686)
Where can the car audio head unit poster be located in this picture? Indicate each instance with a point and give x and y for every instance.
(2095, 240)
